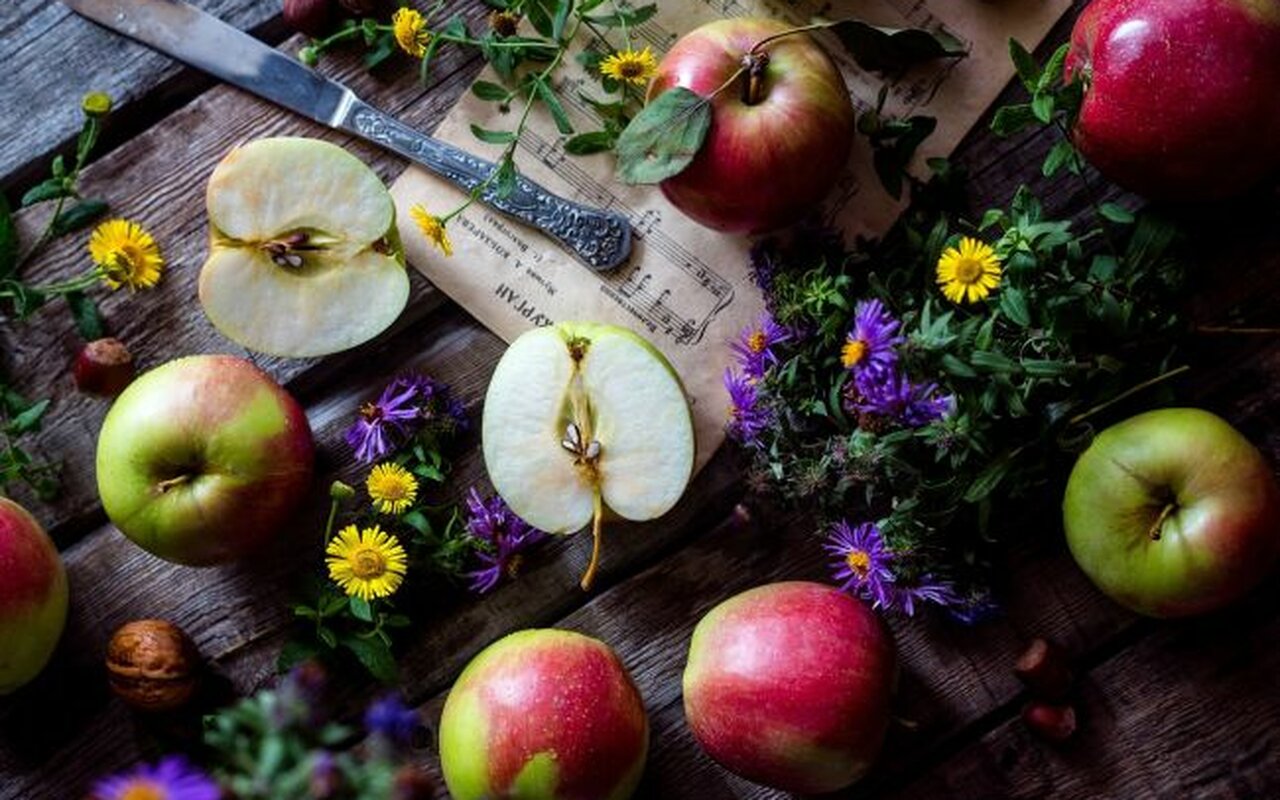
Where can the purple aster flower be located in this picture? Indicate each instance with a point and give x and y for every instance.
(871, 345)
(754, 346)
(926, 590)
(861, 562)
(891, 394)
(764, 266)
(747, 419)
(390, 718)
(493, 522)
(392, 415)
(172, 778)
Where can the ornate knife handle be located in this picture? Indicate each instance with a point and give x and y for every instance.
(600, 239)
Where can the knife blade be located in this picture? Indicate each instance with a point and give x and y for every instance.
(599, 238)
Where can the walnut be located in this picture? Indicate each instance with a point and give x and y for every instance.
(153, 665)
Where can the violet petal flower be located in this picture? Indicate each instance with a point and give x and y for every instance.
(492, 521)
(871, 345)
(754, 346)
(861, 562)
(747, 418)
(172, 778)
(891, 394)
(389, 717)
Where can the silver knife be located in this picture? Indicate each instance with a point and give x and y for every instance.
(600, 239)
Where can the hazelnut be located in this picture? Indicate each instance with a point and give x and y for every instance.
(1043, 668)
(312, 17)
(1054, 723)
(153, 665)
(103, 367)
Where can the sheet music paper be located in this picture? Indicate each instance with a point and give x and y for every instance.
(686, 288)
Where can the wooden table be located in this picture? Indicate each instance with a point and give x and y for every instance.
(1169, 710)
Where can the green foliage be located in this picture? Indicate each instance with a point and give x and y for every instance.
(663, 138)
(1072, 327)
(894, 50)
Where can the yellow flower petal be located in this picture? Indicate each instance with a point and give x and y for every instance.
(410, 29)
(432, 228)
(969, 272)
(125, 254)
(630, 66)
(367, 563)
(392, 488)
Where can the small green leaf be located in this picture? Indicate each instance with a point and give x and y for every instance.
(28, 420)
(78, 216)
(1042, 106)
(629, 16)
(560, 17)
(548, 96)
(1025, 65)
(492, 137)
(1053, 69)
(1013, 304)
(587, 143)
(1011, 119)
(487, 90)
(294, 652)
(988, 480)
(1116, 213)
(894, 50)
(374, 655)
(1060, 154)
(360, 609)
(664, 137)
(86, 315)
(48, 189)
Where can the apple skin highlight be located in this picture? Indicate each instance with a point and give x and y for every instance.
(545, 715)
(33, 597)
(789, 685)
(1180, 99)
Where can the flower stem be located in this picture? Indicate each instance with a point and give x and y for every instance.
(1173, 373)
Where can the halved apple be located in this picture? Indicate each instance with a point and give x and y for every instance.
(304, 259)
(580, 417)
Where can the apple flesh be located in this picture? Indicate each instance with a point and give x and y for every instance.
(582, 416)
(33, 597)
(203, 459)
(777, 144)
(544, 715)
(304, 259)
(1173, 512)
(789, 685)
(1180, 97)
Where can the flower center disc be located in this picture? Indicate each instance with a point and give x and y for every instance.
(368, 564)
(853, 353)
(859, 562)
(968, 270)
(144, 791)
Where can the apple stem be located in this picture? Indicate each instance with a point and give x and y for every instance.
(1157, 527)
(753, 66)
(597, 535)
(165, 485)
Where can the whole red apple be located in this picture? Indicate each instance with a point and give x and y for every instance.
(776, 145)
(1180, 95)
(789, 685)
(1173, 512)
(33, 596)
(544, 715)
(203, 459)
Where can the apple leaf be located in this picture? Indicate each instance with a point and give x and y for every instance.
(664, 137)
(894, 50)
(86, 315)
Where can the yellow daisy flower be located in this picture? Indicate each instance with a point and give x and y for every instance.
(970, 272)
(125, 254)
(630, 66)
(432, 227)
(392, 488)
(410, 29)
(366, 564)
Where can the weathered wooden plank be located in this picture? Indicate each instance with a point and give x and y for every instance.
(159, 179)
(53, 56)
(1189, 712)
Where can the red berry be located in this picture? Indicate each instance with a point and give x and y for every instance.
(1054, 723)
(104, 367)
(1044, 669)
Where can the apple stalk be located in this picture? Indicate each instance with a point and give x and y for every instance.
(580, 441)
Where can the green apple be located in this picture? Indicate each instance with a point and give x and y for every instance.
(1173, 512)
(580, 417)
(304, 259)
(33, 597)
(203, 459)
(544, 715)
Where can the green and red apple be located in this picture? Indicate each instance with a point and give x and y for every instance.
(544, 715)
(789, 685)
(304, 259)
(1180, 96)
(583, 417)
(1173, 512)
(33, 597)
(779, 139)
(203, 459)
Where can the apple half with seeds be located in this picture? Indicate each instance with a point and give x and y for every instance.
(304, 259)
(584, 417)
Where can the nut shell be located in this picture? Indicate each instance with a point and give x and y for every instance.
(153, 665)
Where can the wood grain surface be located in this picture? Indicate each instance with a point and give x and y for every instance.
(1168, 710)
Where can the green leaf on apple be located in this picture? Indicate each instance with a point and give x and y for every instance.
(664, 137)
(894, 50)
